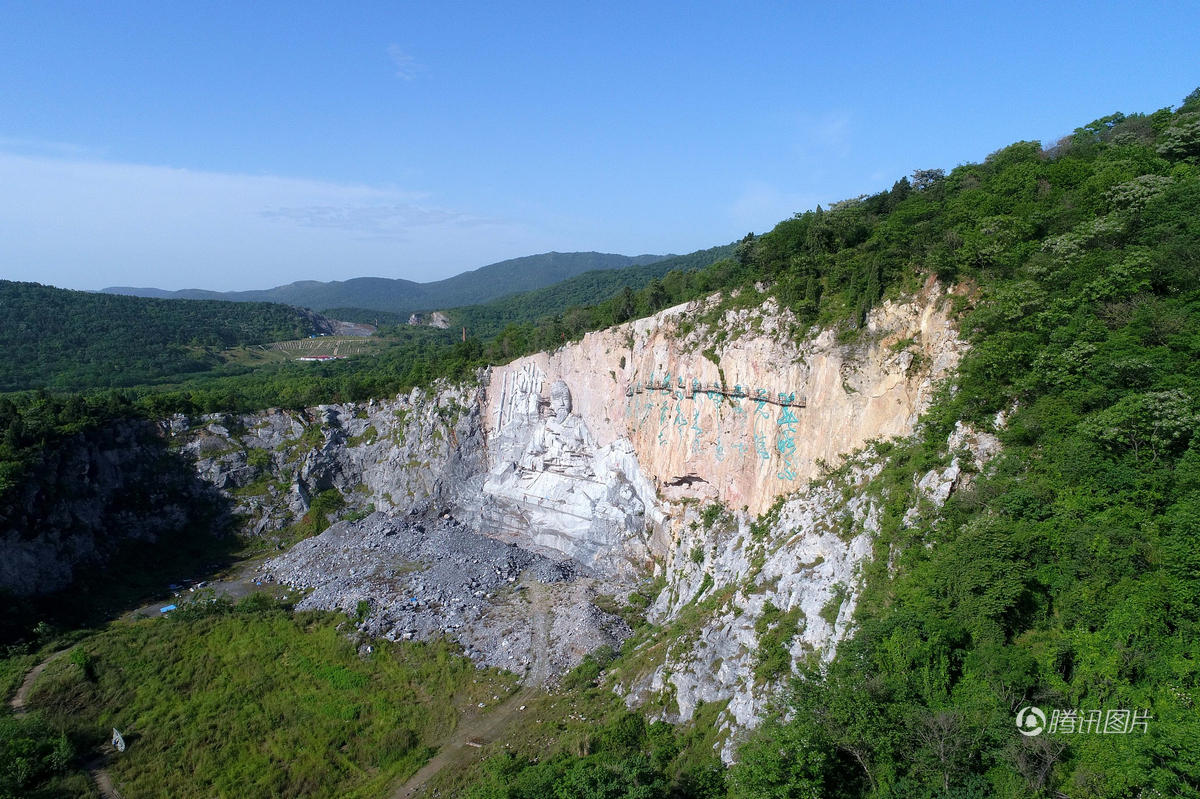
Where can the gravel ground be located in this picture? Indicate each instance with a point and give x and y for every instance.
(423, 576)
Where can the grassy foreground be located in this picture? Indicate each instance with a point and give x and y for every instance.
(252, 700)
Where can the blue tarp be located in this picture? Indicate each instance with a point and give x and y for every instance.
(168, 607)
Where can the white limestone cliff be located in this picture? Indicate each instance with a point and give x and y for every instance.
(607, 450)
(692, 440)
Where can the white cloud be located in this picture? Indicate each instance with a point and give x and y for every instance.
(406, 66)
(52, 149)
(91, 224)
(381, 220)
(760, 206)
(825, 135)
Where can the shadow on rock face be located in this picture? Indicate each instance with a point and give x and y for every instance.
(109, 516)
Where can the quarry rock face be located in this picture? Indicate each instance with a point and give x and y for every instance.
(550, 484)
(384, 455)
(797, 575)
(435, 319)
(741, 411)
(693, 446)
(92, 495)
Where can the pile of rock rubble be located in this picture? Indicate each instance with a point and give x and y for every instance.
(423, 575)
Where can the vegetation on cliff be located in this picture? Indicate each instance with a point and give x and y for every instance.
(1065, 578)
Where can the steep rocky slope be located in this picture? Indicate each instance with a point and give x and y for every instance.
(662, 447)
(806, 401)
(93, 494)
(693, 447)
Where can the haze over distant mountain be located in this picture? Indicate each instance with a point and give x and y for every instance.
(588, 288)
(402, 296)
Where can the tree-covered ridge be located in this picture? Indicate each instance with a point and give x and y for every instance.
(590, 288)
(532, 307)
(68, 340)
(1065, 577)
(74, 340)
(405, 296)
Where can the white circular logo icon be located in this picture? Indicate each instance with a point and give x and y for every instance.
(1031, 721)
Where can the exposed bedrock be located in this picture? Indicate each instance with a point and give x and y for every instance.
(649, 449)
(807, 399)
(94, 494)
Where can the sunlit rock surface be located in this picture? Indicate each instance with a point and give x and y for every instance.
(649, 449)
(690, 439)
(552, 486)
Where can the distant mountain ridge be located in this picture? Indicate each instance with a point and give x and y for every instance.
(489, 318)
(403, 296)
(589, 288)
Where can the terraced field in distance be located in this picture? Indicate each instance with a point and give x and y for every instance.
(335, 346)
(279, 351)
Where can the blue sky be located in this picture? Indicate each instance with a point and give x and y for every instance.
(245, 145)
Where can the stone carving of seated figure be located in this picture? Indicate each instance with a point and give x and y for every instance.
(563, 443)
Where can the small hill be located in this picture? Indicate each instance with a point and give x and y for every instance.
(55, 338)
(488, 318)
(589, 288)
(403, 296)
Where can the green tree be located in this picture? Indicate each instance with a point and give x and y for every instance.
(782, 761)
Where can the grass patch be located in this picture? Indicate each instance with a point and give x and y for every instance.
(369, 436)
(712, 513)
(250, 700)
(775, 630)
(831, 609)
(316, 521)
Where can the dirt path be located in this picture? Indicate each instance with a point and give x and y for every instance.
(103, 781)
(485, 729)
(20, 699)
(20, 705)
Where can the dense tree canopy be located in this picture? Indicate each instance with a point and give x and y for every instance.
(1066, 578)
(76, 340)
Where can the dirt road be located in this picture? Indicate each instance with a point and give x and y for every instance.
(238, 582)
(20, 700)
(103, 781)
(485, 729)
(20, 705)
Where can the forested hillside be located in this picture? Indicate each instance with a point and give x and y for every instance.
(1066, 577)
(404, 296)
(75, 340)
(593, 287)
(485, 319)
